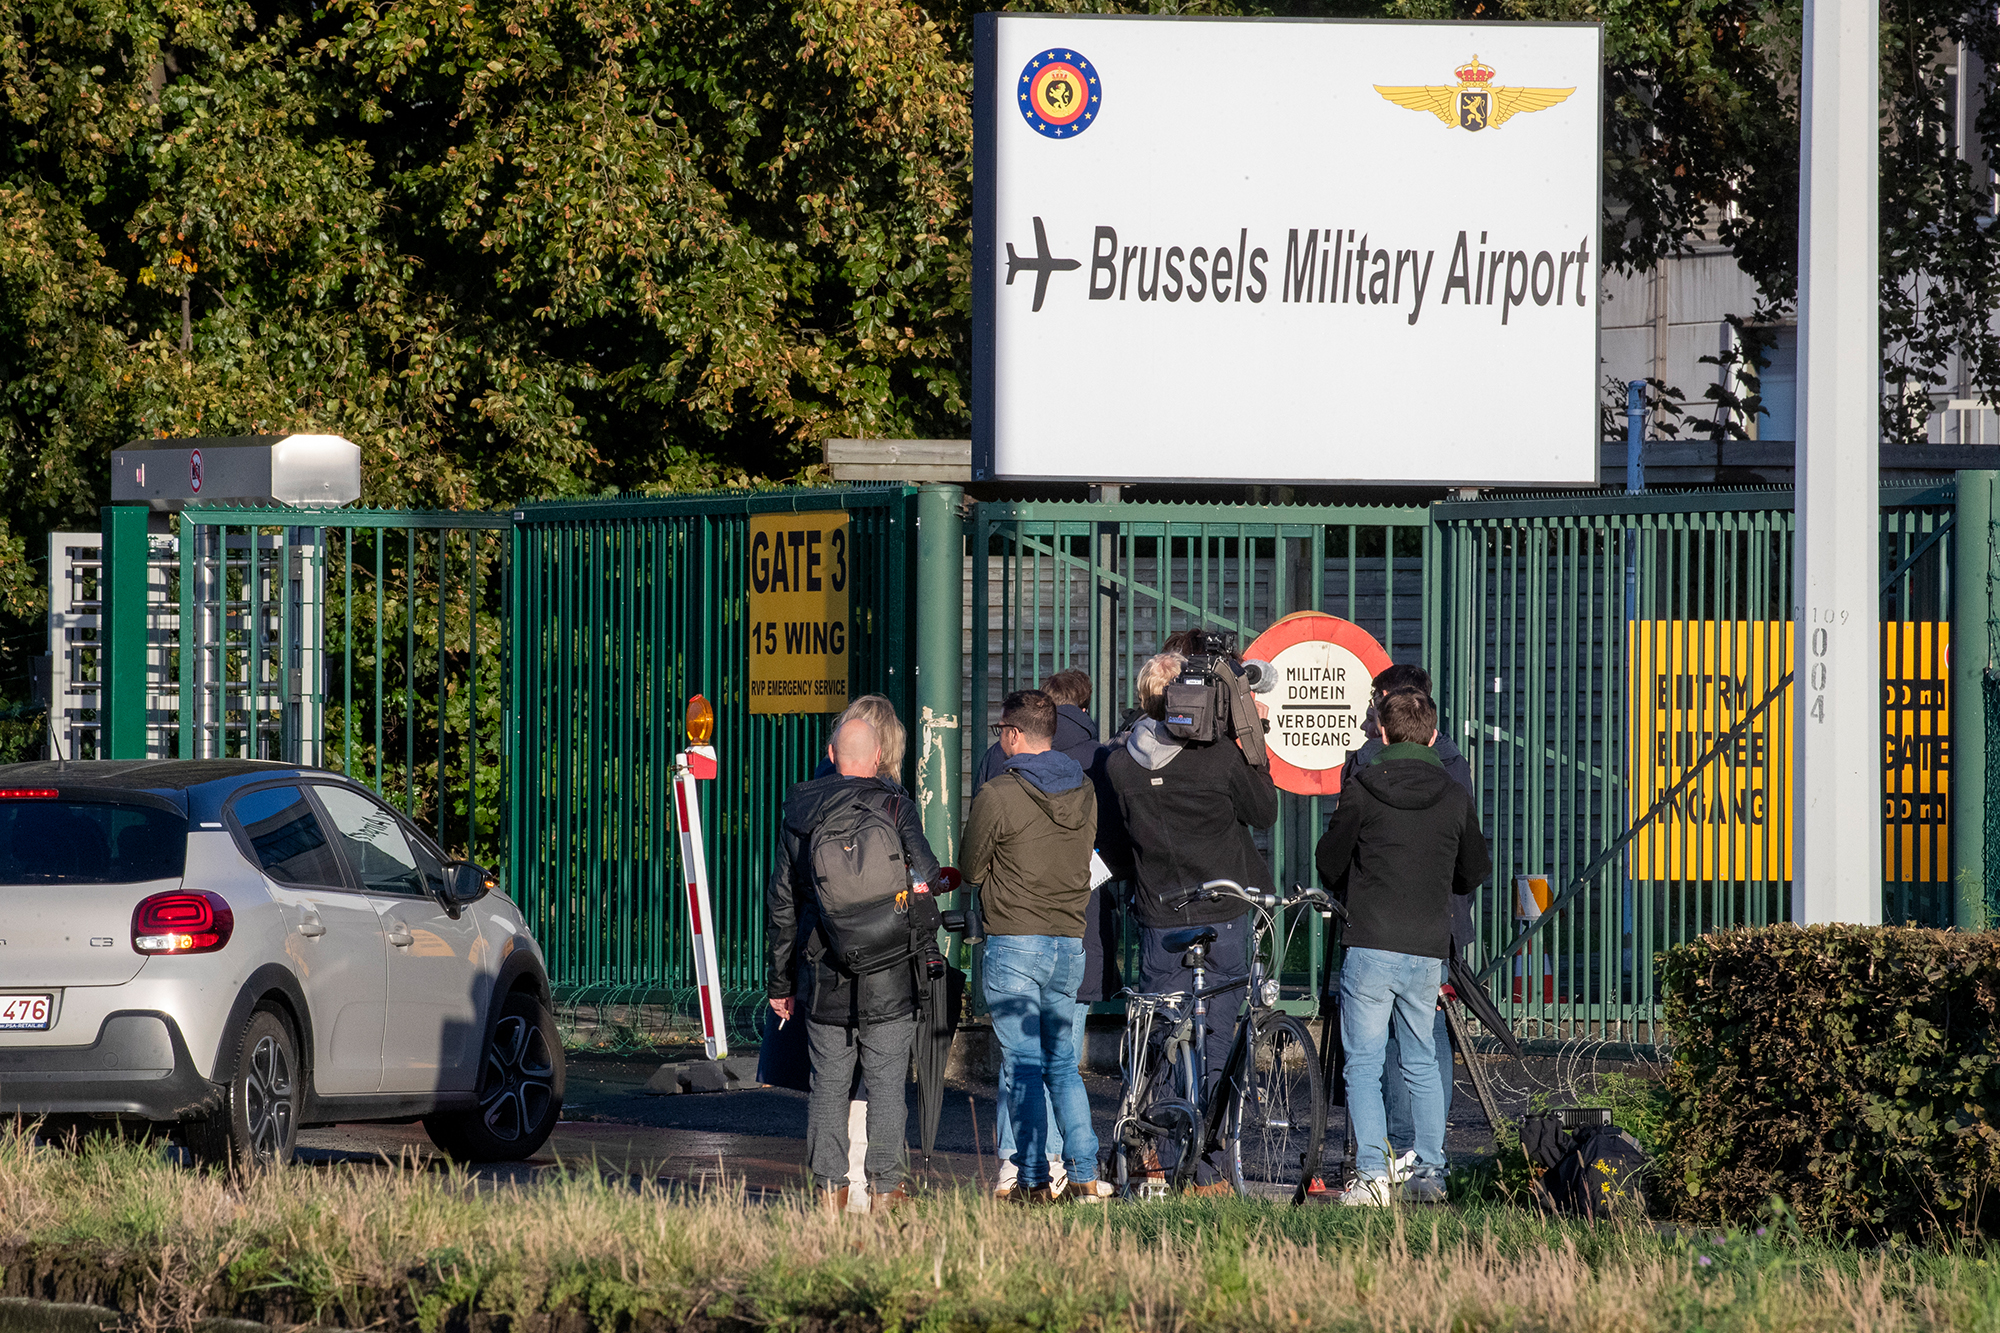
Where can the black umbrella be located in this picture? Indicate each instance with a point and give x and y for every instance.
(936, 1022)
(943, 998)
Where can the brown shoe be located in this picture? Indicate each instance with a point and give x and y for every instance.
(1096, 1191)
(1215, 1189)
(889, 1202)
(1033, 1194)
(834, 1201)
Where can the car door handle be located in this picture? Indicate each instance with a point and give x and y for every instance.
(399, 934)
(312, 927)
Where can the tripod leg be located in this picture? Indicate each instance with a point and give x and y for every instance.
(1455, 1023)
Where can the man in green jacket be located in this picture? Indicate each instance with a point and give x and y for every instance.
(1027, 845)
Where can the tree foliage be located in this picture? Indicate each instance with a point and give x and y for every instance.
(553, 247)
(524, 246)
(1701, 134)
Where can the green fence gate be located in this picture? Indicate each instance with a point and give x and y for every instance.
(1589, 649)
(621, 611)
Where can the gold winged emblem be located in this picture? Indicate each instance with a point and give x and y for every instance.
(1474, 104)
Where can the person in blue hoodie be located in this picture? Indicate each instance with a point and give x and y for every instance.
(1027, 845)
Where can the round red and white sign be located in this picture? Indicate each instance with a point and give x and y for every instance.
(194, 470)
(1326, 667)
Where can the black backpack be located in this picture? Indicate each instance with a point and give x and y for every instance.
(862, 878)
(1596, 1170)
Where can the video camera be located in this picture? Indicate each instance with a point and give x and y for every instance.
(1211, 698)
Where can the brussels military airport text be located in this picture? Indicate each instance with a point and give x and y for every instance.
(1320, 266)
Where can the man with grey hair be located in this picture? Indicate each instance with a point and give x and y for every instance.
(1187, 810)
(856, 1014)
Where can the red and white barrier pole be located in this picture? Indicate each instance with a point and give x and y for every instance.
(698, 764)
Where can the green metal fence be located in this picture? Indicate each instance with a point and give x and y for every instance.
(516, 681)
(365, 640)
(1587, 649)
(1098, 587)
(620, 611)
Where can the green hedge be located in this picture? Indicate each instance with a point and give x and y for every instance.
(1852, 1072)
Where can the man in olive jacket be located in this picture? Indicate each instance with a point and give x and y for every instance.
(1027, 845)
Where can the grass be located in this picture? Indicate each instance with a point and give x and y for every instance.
(438, 1252)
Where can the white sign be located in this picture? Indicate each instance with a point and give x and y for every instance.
(1321, 697)
(1278, 250)
(1325, 669)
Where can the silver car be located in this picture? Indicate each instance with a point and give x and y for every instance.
(240, 950)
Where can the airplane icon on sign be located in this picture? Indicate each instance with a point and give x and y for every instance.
(1041, 264)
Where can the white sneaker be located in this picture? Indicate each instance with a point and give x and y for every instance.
(1057, 1176)
(1010, 1175)
(1425, 1185)
(1400, 1169)
(1366, 1192)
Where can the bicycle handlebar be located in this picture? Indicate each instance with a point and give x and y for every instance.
(1303, 895)
(1224, 888)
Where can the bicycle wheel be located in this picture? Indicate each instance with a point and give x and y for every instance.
(1157, 1123)
(1278, 1124)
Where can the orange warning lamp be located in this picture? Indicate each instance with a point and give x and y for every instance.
(700, 720)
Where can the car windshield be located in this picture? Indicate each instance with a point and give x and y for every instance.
(89, 842)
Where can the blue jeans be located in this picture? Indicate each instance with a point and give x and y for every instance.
(1396, 1094)
(1381, 991)
(1004, 1115)
(1031, 983)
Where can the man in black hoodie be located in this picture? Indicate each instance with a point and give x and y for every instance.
(870, 1017)
(1401, 844)
(1409, 676)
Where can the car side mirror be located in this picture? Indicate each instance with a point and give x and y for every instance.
(464, 883)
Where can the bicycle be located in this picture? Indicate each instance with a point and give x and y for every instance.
(1269, 1118)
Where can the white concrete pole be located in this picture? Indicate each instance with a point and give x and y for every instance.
(1836, 696)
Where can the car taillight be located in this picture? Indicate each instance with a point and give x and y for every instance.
(183, 921)
(28, 793)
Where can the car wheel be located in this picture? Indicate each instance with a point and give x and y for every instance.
(520, 1089)
(258, 1123)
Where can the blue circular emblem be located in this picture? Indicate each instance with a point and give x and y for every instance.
(1060, 94)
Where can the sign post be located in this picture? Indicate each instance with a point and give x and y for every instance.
(1836, 606)
(695, 764)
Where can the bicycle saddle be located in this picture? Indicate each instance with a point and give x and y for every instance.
(1182, 940)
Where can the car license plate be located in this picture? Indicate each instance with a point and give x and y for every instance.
(26, 1011)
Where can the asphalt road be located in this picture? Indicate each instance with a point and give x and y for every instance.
(756, 1135)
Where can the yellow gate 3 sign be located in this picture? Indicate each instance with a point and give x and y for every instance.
(799, 624)
(1692, 681)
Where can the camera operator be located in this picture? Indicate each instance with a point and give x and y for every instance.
(1398, 849)
(1187, 809)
